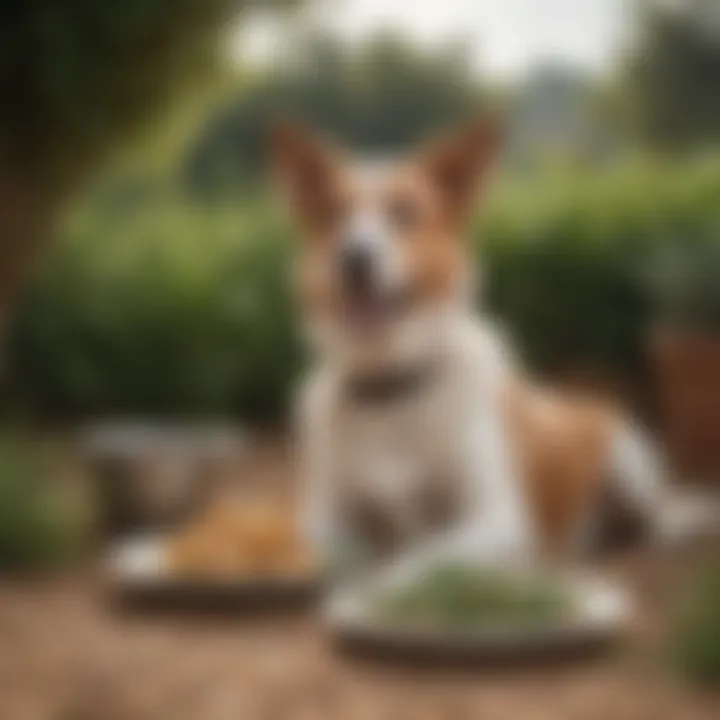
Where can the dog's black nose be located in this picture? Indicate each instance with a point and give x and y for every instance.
(356, 267)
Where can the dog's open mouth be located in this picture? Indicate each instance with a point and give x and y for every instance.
(371, 308)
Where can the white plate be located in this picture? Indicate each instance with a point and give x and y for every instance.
(600, 613)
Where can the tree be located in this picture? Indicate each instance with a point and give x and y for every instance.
(383, 95)
(76, 76)
(672, 82)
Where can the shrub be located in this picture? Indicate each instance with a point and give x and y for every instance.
(41, 523)
(569, 262)
(178, 309)
(686, 285)
(697, 632)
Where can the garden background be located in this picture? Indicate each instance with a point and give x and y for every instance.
(144, 279)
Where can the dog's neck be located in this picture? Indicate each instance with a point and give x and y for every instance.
(392, 384)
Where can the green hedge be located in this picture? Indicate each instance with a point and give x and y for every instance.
(695, 647)
(45, 520)
(575, 263)
(177, 309)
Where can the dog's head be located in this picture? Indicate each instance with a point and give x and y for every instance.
(382, 244)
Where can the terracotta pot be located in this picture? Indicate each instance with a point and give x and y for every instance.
(687, 376)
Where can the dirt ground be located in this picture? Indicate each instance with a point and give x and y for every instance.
(66, 655)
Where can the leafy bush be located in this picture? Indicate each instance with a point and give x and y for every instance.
(686, 286)
(572, 262)
(697, 633)
(183, 309)
(180, 311)
(41, 523)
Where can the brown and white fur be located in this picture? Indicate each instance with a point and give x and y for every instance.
(385, 283)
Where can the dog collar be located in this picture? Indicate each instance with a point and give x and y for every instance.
(392, 384)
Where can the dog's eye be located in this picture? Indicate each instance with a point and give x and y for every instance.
(331, 212)
(334, 211)
(403, 214)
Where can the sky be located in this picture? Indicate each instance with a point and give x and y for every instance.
(507, 37)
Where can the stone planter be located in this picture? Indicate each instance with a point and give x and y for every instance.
(155, 476)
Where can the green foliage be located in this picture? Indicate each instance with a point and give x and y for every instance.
(697, 632)
(573, 264)
(74, 76)
(182, 309)
(383, 95)
(686, 284)
(672, 78)
(40, 524)
(177, 310)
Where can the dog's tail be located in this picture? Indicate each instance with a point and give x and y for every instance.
(641, 477)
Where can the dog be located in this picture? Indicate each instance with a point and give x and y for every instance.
(420, 435)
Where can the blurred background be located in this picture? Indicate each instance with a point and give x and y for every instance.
(134, 140)
(143, 263)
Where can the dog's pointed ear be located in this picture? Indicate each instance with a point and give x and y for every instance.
(457, 165)
(303, 166)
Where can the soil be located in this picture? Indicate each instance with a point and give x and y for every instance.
(67, 654)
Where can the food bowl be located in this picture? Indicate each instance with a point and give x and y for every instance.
(139, 576)
(149, 476)
(239, 550)
(597, 615)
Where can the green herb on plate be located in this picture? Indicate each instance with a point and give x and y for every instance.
(456, 596)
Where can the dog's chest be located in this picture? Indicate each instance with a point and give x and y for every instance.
(394, 473)
(388, 452)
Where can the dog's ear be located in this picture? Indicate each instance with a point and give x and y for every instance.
(303, 166)
(457, 165)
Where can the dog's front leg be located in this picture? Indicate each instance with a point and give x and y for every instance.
(495, 526)
(335, 548)
(499, 523)
(314, 422)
